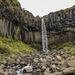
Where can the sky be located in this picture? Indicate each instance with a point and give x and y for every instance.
(44, 7)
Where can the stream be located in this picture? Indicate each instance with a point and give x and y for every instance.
(19, 69)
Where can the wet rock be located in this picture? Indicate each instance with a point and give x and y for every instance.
(28, 70)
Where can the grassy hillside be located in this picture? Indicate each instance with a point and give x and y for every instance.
(13, 47)
(66, 47)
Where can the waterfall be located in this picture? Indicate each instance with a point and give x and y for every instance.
(44, 37)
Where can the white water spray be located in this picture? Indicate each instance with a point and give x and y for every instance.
(44, 37)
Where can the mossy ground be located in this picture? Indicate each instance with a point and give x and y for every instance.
(68, 46)
(13, 47)
(36, 46)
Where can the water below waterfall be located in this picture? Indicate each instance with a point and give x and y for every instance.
(44, 37)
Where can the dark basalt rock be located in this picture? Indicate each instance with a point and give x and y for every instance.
(13, 18)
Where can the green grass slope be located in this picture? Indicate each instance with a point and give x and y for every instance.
(13, 47)
(66, 47)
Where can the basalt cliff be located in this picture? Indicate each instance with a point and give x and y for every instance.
(21, 24)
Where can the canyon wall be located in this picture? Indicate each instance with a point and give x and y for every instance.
(61, 26)
(20, 24)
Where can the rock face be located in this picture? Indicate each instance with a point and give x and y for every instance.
(20, 23)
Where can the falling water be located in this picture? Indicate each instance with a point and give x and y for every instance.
(44, 37)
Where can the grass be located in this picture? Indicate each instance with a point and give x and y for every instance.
(12, 47)
(61, 46)
(14, 4)
(62, 59)
(74, 72)
(68, 48)
(36, 46)
(1, 60)
(65, 11)
(52, 47)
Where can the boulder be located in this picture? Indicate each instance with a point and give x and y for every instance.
(42, 60)
(58, 57)
(64, 65)
(18, 60)
(35, 60)
(43, 68)
(69, 70)
(38, 70)
(28, 70)
(71, 63)
(47, 72)
(2, 66)
(53, 66)
(23, 63)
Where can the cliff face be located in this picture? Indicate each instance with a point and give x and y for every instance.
(20, 24)
(61, 25)
(62, 18)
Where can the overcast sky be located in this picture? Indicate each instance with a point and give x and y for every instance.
(43, 7)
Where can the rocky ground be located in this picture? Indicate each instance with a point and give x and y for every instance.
(54, 62)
